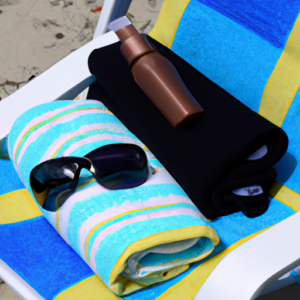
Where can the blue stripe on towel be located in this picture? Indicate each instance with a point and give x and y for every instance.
(40, 256)
(269, 21)
(233, 57)
(9, 179)
(288, 167)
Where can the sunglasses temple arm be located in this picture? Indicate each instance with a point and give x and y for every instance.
(76, 179)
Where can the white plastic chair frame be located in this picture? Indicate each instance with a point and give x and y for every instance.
(246, 271)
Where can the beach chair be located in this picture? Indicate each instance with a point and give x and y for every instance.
(252, 266)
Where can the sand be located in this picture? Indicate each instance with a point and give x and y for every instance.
(36, 34)
(6, 293)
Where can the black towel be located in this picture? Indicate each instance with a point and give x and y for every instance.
(209, 160)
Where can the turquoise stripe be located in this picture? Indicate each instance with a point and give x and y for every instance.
(295, 275)
(115, 244)
(155, 162)
(27, 117)
(37, 149)
(92, 146)
(53, 118)
(85, 135)
(288, 167)
(228, 54)
(134, 214)
(82, 210)
(9, 179)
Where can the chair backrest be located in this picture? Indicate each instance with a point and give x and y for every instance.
(252, 51)
(249, 49)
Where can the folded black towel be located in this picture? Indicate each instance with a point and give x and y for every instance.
(209, 160)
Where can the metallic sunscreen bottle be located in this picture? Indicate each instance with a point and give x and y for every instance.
(157, 77)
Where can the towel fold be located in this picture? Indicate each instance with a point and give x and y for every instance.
(231, 148)
(151, 265)
(131, 238)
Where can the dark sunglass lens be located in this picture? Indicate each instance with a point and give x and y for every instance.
(120, 166)
(58, 195)
(54, 181)
(124, 179)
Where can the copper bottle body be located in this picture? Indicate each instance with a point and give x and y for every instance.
(159, 80)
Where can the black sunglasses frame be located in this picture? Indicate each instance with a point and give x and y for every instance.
(39, 181)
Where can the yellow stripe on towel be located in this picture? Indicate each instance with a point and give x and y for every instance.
(91, 288)
(116, 217)
(17, 206)
(284, 82)
(166, 25)
(286, 196)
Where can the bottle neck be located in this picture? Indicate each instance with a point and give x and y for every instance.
(133, 44)
(126, 32)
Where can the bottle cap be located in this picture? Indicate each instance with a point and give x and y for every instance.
(119, 23)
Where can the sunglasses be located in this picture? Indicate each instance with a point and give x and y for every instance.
(115, 167)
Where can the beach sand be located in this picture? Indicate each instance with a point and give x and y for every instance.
(36, 34)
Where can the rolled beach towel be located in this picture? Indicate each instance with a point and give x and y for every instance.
(131, 238)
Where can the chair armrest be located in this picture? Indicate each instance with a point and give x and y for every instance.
(65, 80)
(248, 269)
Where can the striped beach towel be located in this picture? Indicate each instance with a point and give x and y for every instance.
(104, 228)
(110, 228)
